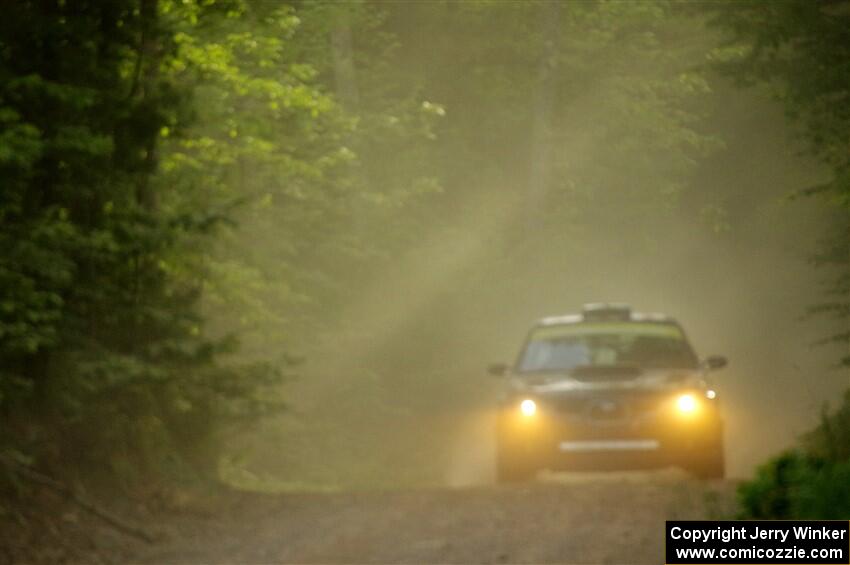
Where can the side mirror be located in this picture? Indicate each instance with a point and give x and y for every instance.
(497, 369)
(714, 362)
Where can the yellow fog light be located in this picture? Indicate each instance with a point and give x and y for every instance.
(528, 407)
(687, 404)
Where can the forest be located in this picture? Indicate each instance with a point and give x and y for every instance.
(272, 245)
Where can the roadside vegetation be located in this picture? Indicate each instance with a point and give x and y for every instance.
(800, 51)
(809, 482)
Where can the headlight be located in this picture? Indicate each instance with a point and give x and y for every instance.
(528, 407)
(687, 404)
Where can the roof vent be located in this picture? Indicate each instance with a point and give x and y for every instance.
(606, 311)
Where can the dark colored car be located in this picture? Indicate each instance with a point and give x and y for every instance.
(608, 389)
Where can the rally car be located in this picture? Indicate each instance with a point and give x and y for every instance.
(608, 389)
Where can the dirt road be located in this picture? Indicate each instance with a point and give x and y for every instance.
(616, 518)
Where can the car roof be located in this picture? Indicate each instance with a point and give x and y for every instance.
(631, 317)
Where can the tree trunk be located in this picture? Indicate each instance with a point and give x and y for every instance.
(345, 74)
(146, 84)
(544, 101)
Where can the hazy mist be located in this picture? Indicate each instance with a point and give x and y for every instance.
(541, 210)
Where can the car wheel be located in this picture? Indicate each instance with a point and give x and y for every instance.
(512, 469)
(506, 474)
(711, 466)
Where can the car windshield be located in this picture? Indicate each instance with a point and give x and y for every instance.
(645, 345)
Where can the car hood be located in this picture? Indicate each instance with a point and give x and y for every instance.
(646, 380)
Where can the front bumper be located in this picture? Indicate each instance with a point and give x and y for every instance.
(563, 442)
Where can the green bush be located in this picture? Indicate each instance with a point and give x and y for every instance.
(810, 482)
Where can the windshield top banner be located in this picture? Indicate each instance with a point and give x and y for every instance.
(608, 328)
(758, 541)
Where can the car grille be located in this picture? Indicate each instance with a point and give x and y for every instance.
(610, 407)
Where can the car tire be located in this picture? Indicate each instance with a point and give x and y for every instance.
(513, 469)
(711, 466)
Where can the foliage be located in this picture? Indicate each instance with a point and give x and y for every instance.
(140, 170)
(811, 482)
(104, 361)
(800, 50)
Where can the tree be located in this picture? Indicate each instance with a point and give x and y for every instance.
(99, 321)
(801, 51)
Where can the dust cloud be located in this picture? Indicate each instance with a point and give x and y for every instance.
(395, 393)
